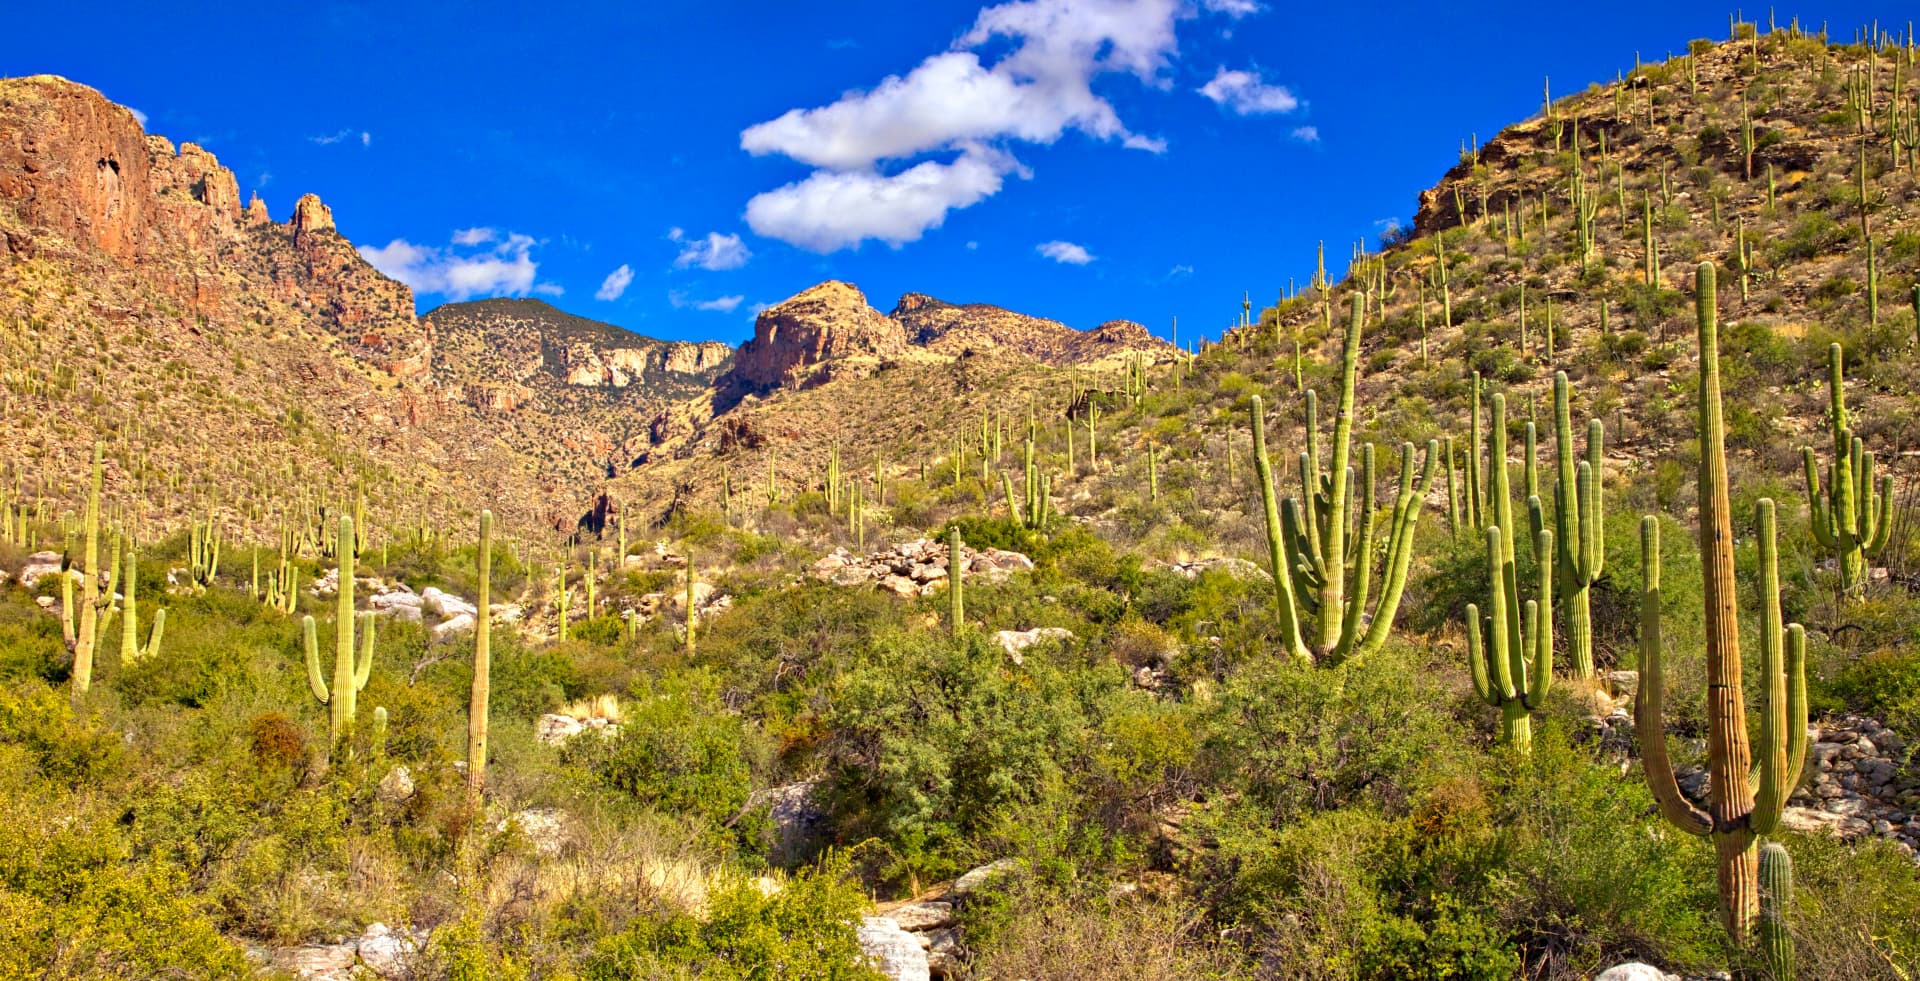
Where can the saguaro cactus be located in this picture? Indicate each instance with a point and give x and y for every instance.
(349, 676)
(1580, 524)
(482, 662)
(130, 649)
(1776, 894)
(1852, 519)
(1308, 537)
(956, 604)
(1513, 668)
(1735, 815)
(96, 608)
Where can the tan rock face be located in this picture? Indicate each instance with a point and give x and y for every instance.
(831, 320)
(310, 216)
(75, 165)
(692, 359)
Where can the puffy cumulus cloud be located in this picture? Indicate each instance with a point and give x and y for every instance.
(1307, 134)
(1065, 252)
(615, 283)
(955, 100)
(1245, 93)
(474, 236)
(833, 210)
(460, 271)
(715, 252)
(721, 304)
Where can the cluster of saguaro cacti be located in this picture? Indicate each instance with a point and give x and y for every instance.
(281, 589)
(1321, 544)
(349, 674)
(481, 690)
(203, 553)
(130, 649)
(1736, 814)
(1512, 666)
(1033, 509)
(1853, 519)
(1579, 524)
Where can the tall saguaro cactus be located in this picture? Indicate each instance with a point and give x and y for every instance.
(1321, 544)
(93, 604)
(1736, 815)
(956, 602)
(1853, 519)
(349, 675)
(482, 662)
(1580, 524)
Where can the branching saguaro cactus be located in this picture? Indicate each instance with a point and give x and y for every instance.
(96, 608)
(349, 676)
(1853, 519)
(130, 649)
(1321, 545)
(1513, 668)
(1735, 815)
(1580, 524)
(482, 662)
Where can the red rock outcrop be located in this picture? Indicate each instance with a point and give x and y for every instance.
(831, 320)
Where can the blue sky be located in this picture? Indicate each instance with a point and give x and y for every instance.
(671, 166)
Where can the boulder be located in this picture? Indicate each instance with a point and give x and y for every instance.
(892, 951)
(396, 786)
(966, 884)
(1633, 971)
(929, 915)
(457, 624)
(315, 962)
(1015, 641)
(554, 729)
(444, 604)
(39, 565)
(388, 953)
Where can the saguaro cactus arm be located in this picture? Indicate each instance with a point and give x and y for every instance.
(1649, 702)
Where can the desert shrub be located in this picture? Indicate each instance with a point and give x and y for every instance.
(679, 751)
(802, 932)
(931, 740)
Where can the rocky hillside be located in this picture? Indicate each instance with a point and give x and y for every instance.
(231, 364)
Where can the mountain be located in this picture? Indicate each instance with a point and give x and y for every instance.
(260, 370)
(232, 364)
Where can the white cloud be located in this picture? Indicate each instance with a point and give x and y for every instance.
(615, 283)
(973, 246)
(477, 235)
(723, 304)
(1232, 8)
(1180, 270)
(459, 272)
(366, 138)
(329, 139)
(954, 101)
(1307, 134)
(1065, 252)
(138, 117)
(1246, 94)
(840, 209)
(714, 253)
(550, 289)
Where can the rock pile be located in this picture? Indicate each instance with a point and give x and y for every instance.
(1236, 567)
(1861, 779)
(1015, 641)
(920, 941)
(381, 952)
(452, 614)
(916, 568)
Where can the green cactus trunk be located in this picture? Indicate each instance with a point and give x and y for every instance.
(349, 676)
(956, 604)
(1776, 896)
(1853, 520)
(1736, 814)
(482, 662)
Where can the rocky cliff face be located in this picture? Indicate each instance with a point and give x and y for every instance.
(833, 321)
(246, 356)
(829, 321)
